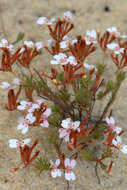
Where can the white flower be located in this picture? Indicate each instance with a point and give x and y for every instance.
(25, 121)
(4, 44)
(71, 59)
(68, 125)
(29, 44)
(66, 42)
(16, 81)
(113, 30)
(90, 67)
(40, 45)
(111, 122)
(14, 143)
(115, 47)
(24, 105)
(44, 124)
(68, 16)
(69, 164)
(45, 20)
(55, 172)
(5, 85)
(60, 58)
(29, 106)
(117, 143)
(91, 37)
(46, 113)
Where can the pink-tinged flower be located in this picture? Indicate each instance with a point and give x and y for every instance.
(14, 143)
(90, 67)
(29, 106)
(115, 47)
(117, 143)
(91, 36)
(24, 105)
(61, 58)
(68, 16)
(25, 121)
(5, 85)
(55, 172)
(45, 20)
(46, 113)
(113, 31)
(68, 125)
(66, 41)
(44, 124)
(40, 45)
(4, 44)
(111, 122)
(64, 133)
(69, 165)
(71, 59)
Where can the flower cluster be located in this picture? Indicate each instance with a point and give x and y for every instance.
(72, 88)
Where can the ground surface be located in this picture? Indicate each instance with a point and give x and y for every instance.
(88, 14)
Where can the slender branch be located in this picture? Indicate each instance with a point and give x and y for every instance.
(96, 172)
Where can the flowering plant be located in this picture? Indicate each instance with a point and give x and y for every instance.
(72, 88)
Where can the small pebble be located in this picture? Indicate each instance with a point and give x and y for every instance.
(107, 9)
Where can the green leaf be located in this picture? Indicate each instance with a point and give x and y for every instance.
(55, 108)
(42, 164)
(121, 76)
(101, 68)
(60, 77)
(110, 86)
(20, 36)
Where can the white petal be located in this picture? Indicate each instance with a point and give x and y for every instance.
(20, 126)
(54, 173)
(114, 142)
(67, 176)
(112, 121)
(117, 130)
(73, 176)
(73, 163)
(47, 112)
(45, 124)
(59, 173)
(16, 81)
(57, 163)
(54, 62)
(124, 149)
(39, 45)
(118, 139)
(13, 143)
(67, 162)
(25, 130)
(30, 118)
(25, 141)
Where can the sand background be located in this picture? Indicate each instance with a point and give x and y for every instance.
(21, 16)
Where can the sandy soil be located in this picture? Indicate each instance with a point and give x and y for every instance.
(21, 16)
